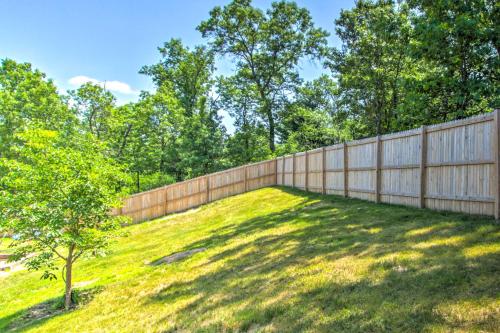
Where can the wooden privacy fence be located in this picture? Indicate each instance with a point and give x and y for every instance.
(452, 166)
(197, 191)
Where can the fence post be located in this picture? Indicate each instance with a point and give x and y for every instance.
(496, 152)
(276, 171)
(207, 185)
(423, 162)
(306, 185)
(323, 167)
(293, 171)
(283, 171)
(346, 171)
(246, 178)
(166, 200)
(378, 171)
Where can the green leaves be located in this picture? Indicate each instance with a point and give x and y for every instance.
(94, 105)
(188, 73)
(27, 98)
(460, 50)
(266, 47)
(58, 192)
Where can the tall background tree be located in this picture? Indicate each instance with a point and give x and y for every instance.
(193, 143)
(459, 44)
(94, 105)
(267, 47)
(27, 98)
(372, 63)
(249, 143)
(309, 119)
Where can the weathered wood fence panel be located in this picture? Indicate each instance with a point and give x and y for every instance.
(300, 171)
(362, 159)
(334, 169)
(288, 177)
(261, 174)
(315, 170)
(460, 166)
(400, 168)
(452, 166)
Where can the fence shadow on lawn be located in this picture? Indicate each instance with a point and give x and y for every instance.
(346, 265)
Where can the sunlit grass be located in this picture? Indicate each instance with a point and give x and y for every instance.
(282, 261)
(4, 245)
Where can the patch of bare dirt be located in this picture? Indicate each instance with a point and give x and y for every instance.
(176, 256)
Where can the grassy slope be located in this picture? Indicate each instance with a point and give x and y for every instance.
(281, 260)
(4, 245)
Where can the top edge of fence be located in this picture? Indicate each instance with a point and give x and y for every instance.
(225, 171)
(315, 150)
(401, 134)
(364, 141)
(148, 191)
(259, 163)
(462, 122)
(335, 146)
(164, 187)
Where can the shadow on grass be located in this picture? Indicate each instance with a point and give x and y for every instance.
(346, 265)
(38, 314)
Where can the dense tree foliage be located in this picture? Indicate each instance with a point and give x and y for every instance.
(267, 47)
(192, 137)
(407, 63)
(458, 43)
(372, 63)
(27, 99)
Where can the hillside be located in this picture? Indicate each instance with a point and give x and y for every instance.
(279, 260)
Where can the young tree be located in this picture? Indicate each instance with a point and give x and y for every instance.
(56, 198)
(267, 47)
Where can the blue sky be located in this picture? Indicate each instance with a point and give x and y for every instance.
(110, 40)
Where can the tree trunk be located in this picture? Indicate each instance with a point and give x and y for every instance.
(162, 157)
(124, 140)
(271, 130)
(69, 266)
(138, 181)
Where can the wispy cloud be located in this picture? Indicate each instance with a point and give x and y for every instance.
(114, 86)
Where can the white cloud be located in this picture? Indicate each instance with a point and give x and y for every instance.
(115, 86)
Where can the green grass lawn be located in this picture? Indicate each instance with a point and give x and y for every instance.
(279, 260)
(4, 245)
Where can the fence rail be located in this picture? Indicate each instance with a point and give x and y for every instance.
(452, 166)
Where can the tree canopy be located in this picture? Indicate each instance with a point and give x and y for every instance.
(267, 47)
